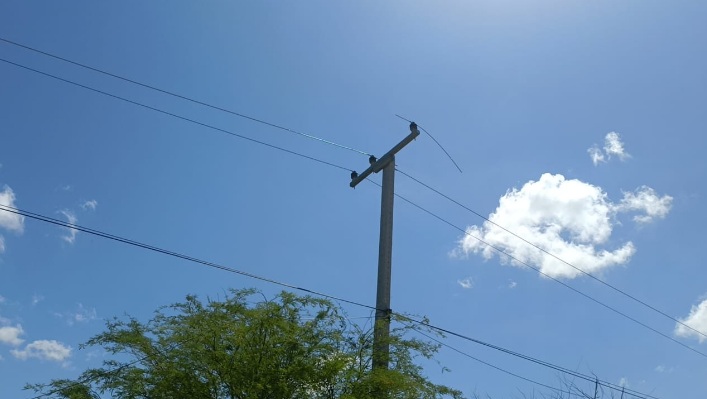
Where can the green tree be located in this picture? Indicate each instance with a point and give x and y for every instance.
(290, 347)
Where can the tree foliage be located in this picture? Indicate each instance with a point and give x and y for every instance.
(290, 347)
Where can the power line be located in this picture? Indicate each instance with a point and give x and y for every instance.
(343, 168)
(138, 244)
(564, 370)
(501, 251)
(435, 140)
(616, 289)
(175, 115)
(189, 258)
(173, 94)
(635, 299)
(487, 363)
(291, 152)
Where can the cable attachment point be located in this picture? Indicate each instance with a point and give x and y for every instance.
(372, 159)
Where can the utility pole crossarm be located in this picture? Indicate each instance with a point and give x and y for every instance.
(378, 165)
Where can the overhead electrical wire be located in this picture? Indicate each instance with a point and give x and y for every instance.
(632, 297)
(442, 343)
(564, 370)
(532, 381)
(175, 115)
(98, 233)
(435, 140)
(57, 222)
(183, 97)
(614, 288)
(526, 264)
(343, 168)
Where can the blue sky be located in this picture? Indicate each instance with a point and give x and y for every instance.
(522, 96)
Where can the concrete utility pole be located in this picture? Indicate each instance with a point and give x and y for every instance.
(381, 332)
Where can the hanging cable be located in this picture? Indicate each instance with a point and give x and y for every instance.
(587, 296)
(563, 370)
(57, 222)
(435, 140)
(177, 116)
(616, 289)
(173, 94)
(153, 248)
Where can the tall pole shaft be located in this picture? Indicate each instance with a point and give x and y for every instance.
(381, 333)
(381, 330)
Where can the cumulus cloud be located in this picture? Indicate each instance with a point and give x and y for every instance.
(466, 283)
(646, 200)
(90, 205)
(568, 218)
(613, 147)
(596, 155)
(44, 350)
(10, 335)
(8, 220)
(696, 320)
(70, 237)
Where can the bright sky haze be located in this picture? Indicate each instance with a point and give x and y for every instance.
(579, 128)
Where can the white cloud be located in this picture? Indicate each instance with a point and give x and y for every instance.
(466, 283)
(2, 299)
(512, 284)
(70, 237)
(613, 146)
(92, 204)
(44, 350)
(623, 382)
(8, 220)
(596, 155)
(10, 335)
(568, 218)
(697, 320)
(2, 243)
(645, 199)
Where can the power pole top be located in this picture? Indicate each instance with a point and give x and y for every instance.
(378, 165)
